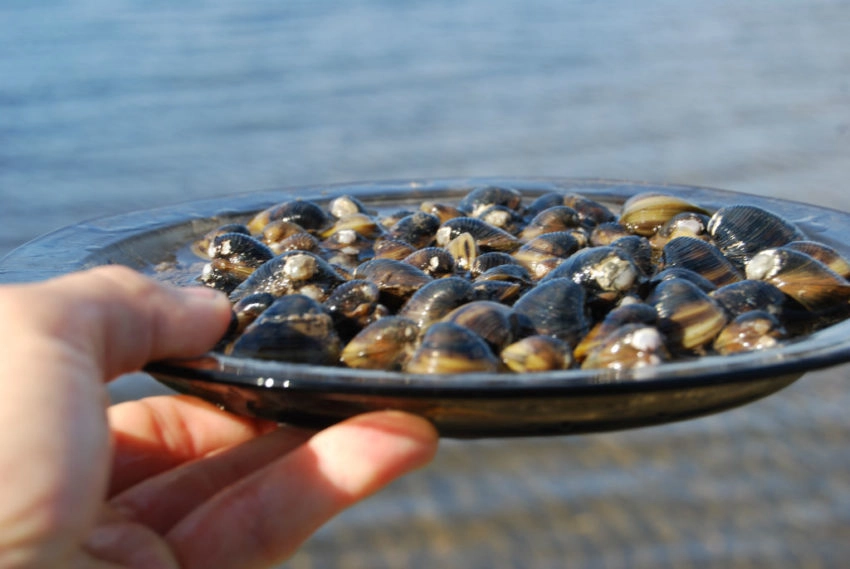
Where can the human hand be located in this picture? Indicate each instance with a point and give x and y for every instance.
(162, 482)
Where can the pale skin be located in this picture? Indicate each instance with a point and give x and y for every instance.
(162, 482)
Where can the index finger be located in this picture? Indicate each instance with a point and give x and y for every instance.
(156, 434)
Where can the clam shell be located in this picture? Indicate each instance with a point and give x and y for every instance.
(701, 257)
(344, 205)
(394, 249)
(687, 224)
(291, 272)
(599, 269)
(537, 353)
(640, 250)
(390, 219)
(557, 218)
(496, 323)
(418, 229)
(202, 245)
(305, 213)
(633, 313)
(384, 344)
(687, 316)
(606, 233)
(590, 212)
(645, 213)
(436, 299)
(748, 295)
(295, 328)
(464, 249)
(489, 260)
(249, 308)
(556, 308)
(354, 305)
(301, 241)
(277, 231)
(359, 222)
(433, 261)
(348, 242)
(449, 348)
(545, 252)
(741, 231)
(224, 281)
(631, 346)
(503, 217)
(239, 252)
(543, 201)
(803, 278)
(750, 331)
(681, 273)
(396, 279)
(487, 237)
(506, 292)
(479, 199)
(823, 253)
(443, 211)
(511, 273)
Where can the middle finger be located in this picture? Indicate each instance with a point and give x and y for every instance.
(163, 500)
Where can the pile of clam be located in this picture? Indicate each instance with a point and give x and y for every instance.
(502, 282)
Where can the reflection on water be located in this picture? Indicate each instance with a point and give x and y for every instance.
(107, 107)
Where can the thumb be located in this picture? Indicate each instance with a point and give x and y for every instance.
(123, 320)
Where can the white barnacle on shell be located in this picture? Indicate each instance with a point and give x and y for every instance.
(299, 267)
(763, 265)
(614, 274)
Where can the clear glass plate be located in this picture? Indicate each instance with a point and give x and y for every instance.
(157, 242)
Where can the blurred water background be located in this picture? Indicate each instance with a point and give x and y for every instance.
(113, 106)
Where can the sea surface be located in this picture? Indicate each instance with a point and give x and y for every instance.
(114, 106)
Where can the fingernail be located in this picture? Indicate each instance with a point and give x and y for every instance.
(203, 296)
(202, 293)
